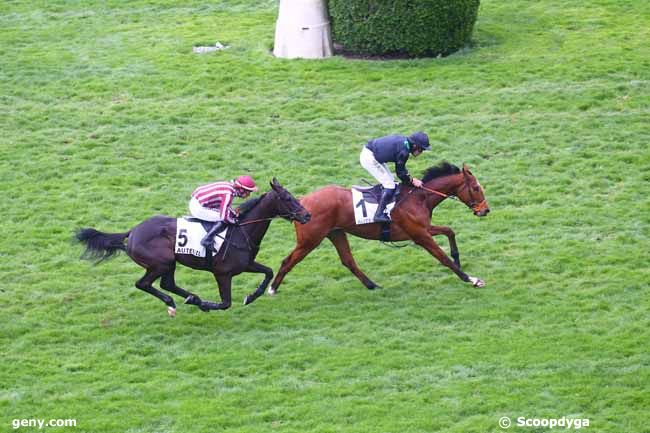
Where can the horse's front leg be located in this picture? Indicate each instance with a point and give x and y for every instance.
(298, 253)
(451, 236)
(224, 282)
(426, 242)
(268, 275)
(168, 282)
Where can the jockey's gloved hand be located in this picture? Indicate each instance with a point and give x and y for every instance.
(233, 216)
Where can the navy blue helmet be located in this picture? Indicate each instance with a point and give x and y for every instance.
(420, 139)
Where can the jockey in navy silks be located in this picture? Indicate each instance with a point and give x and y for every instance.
(392, 148)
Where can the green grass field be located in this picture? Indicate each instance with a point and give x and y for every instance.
(107, 118)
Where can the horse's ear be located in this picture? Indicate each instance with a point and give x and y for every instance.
(466, 169)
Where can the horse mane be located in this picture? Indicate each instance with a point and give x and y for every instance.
(248, 205)
(440, 170)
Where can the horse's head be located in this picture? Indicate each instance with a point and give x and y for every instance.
(288, 206)
(471, 193)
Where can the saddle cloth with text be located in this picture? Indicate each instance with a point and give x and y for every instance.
(364, 203)
(189, 232)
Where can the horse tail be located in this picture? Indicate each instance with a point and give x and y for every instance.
(101, 246)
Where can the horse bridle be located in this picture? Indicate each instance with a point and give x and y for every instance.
(292, 215)
(473, 204)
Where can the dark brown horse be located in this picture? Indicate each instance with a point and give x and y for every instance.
(332, 217)
(151, 245)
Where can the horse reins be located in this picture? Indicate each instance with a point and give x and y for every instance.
(476, 207)
(254, 221)
(289, 215)
(245, 223)
(441, 194)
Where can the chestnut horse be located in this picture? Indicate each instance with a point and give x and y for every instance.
(151, 245)
(333, 216)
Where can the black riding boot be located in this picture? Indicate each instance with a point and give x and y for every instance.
(207, 240)
(386, 196)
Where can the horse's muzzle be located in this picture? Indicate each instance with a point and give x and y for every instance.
(481, 209)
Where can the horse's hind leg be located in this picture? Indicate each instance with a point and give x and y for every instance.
(168, 283)
(451, 236)
(146, 285)
(340, 241)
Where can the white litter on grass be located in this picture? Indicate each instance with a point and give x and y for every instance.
(210, 48)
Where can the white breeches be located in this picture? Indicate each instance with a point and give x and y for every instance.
(203, 213)
(378, 170)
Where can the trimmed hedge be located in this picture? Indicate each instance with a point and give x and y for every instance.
(408, 27)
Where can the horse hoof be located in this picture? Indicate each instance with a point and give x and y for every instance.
(272, 291)
(171, 311)
(477, 282)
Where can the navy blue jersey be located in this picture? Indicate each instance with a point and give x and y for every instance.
(393, 148)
